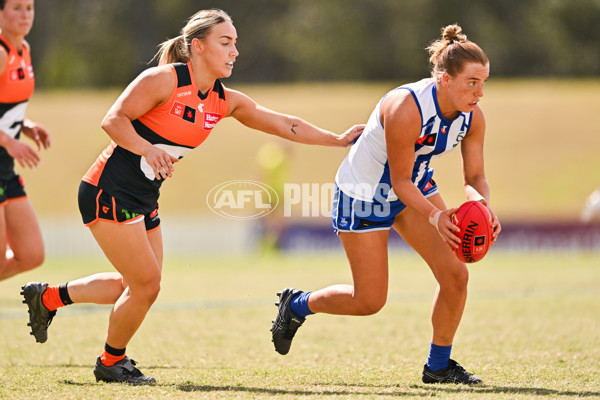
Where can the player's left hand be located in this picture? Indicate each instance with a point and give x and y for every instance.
(37, 133)
(496, 227)
(351, 135)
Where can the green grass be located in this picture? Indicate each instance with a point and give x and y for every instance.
(530, 331)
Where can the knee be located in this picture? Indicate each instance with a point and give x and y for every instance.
(152, 290)
(36, 258)
(457, 279)
(147, 290)
(369, 306)
(33, 258)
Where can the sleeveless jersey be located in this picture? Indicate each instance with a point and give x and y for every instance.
(179, 125)
(16, 87)
(365, 174)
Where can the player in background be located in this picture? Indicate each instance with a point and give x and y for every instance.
(19, 228)
(591, 210)
(385, 181)
(164, 113)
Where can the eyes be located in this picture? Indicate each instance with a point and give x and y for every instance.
(228, 43)
(19, 7)
(474, 83)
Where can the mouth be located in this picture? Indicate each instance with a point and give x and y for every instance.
(230, 64)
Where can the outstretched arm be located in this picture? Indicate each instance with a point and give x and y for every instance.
(249, 113)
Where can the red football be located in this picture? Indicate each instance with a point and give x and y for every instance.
(475, 223)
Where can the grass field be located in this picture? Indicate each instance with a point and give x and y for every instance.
(541, 146)
(530, 330)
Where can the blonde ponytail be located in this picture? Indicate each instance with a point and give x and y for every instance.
(197, 27)
(172, 51)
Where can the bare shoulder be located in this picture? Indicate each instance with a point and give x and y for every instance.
(156, 82)
(478, 122)
(160, 75)
(399, 107)
(238, 101)
(236, 95)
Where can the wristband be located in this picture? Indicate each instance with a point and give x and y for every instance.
(434, 218)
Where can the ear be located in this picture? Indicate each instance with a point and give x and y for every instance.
(445, 78)
(197, 45)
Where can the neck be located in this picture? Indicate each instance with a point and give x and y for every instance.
(15, 41)
(204, 80)
(446, 108)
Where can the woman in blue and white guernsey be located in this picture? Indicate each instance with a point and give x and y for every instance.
(386, 181)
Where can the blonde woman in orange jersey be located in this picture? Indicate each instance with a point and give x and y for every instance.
(19, 227)
(162, 114)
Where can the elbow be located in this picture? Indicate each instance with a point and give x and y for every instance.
(401, 185)
(106, 122)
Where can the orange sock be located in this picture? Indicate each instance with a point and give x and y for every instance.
(51, 298)
(108, 360)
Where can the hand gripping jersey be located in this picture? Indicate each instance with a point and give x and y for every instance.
(177, 126)
(365, 174)
(16, 87)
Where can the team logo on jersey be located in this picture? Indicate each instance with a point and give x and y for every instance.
(427, 140)
(200, 107)
(189, 114)
(444, 129)
(210, 120)
(183, 111)
(461, 135)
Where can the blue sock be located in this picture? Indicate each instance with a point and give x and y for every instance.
(300, 305)
(438, 357)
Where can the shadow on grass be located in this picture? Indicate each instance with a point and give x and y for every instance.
(508, 390)
(415, 390)
(189, 387)
(391, 390)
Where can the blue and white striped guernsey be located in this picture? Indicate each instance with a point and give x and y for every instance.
(365, 175)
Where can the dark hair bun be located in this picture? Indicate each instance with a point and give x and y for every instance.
(453, 33)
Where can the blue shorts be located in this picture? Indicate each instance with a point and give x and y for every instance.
(95, 204)
(352, 215)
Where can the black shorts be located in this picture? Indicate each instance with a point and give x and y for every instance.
(11, 189)
(95, 204)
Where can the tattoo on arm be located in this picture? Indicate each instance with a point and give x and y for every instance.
(293, 126)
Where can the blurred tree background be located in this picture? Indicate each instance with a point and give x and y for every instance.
(90, 43)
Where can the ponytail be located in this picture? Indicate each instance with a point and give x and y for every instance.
(172, 51)
(197, 27)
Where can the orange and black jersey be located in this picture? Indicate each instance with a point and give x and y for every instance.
(182, 123)
(16, 87)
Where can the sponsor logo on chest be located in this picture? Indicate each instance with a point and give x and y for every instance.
(210, 120)
(183, 111)
(187, 113)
